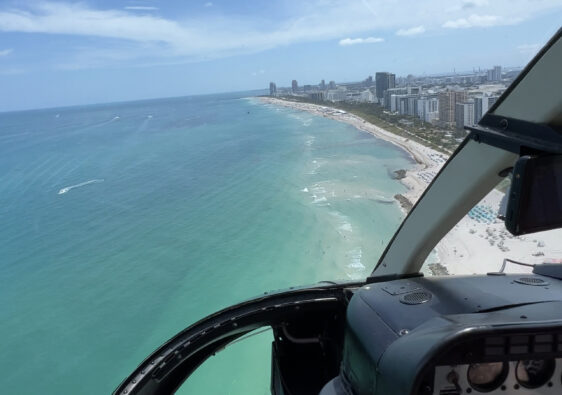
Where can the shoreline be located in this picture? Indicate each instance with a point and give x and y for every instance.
(479, 242)
(428, 161)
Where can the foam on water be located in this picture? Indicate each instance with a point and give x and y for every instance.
(346, 227)
(355, 256)
(71, 187)
(384, 199)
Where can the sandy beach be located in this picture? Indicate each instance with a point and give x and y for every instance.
(479, 242)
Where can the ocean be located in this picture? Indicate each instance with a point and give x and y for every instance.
(124, 223)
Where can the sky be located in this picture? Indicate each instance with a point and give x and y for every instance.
(71, 53)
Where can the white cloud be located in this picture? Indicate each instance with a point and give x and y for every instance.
(208, 4)
(140, 8)
(367, 40)
(6, 52)
(144, 37)
(411, 31)
(475, 20)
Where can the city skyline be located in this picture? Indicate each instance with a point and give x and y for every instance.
(443, 101)
(66, 53)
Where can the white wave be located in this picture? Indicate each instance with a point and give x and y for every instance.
(319, 189)
(67, 189)
(384, 199)
(305, 189)
(355, 256)
(346, 227)
(116, 118)
(319, 199)
(149, 116)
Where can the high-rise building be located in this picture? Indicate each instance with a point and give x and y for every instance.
(332, 84)
(316, 96)
(322, 85)
(428, 108)
(272, 89)
(294, 86)
(366, 96)
(336, 95)
(495, 74)
(464, 114)
(387, 97)
(447, 103)
(481, 105)
(384, 81)
(406, 104)
(492, 100)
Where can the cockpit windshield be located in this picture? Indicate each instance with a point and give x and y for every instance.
(160, 161)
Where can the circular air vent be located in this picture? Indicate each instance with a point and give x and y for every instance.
(417, 297)
(531, 281)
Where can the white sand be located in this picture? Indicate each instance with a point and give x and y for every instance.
(472, 246)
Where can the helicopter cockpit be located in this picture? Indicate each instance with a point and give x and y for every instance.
(399, 332)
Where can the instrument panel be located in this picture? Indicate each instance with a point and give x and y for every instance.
(525, 376)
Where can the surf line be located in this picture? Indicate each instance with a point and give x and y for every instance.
(66, 189)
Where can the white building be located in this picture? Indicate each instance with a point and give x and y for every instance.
(367, 96)
(428, 109)
(335, 95)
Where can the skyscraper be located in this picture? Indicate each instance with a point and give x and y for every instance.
(384, 81)
(322, 85)
(497, 73)
(447, 102)
(294, 86)
(332, 84)
(464, 114)
(272, 89)
(428, 108)
(480, 107)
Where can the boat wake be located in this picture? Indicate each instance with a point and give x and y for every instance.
(67, 189)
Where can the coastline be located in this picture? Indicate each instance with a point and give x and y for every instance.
(428, 161)
(477, 244)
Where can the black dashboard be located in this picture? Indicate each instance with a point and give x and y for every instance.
(496, 334)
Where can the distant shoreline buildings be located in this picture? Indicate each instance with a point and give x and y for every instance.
(447, 101)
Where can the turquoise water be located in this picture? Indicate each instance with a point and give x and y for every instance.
(124, 223)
